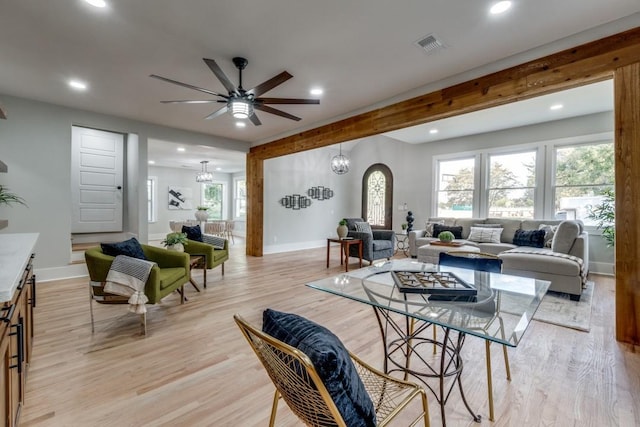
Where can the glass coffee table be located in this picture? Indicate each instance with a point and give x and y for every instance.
(500, 312)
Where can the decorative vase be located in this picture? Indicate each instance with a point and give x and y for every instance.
(202, 216)
(178, 247)
(342, 231)
(409, 221)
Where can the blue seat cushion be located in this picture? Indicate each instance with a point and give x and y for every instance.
(193, 233)
(129, 247)
(379, 245)
(330, 358)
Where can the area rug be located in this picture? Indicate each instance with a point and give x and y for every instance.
(558, 309)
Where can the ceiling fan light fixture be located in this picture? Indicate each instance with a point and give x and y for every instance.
(204, 175)
(241, 108)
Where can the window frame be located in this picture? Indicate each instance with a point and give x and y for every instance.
(152, 200)
(224, 197)
(237, 200)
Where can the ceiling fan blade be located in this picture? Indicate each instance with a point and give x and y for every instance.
(187, 85)
(217, 113)
(270, 84)
(272, 110)
(213, 66)
(255, 120)
(204, 101)
(287, 101)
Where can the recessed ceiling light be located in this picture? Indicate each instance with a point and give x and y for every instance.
(316, 91)
(78, 85)
(181, 149)
(152, 162)
(556, 107)
(97, 3)
(500, 7)
(218, 169)
(433, 131)
(241, 124)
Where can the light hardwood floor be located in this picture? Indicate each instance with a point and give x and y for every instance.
(195, 369)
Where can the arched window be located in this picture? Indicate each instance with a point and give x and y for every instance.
(377, 196)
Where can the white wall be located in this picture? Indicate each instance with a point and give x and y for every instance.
(35, 143)
(287, 229)
(179, 177)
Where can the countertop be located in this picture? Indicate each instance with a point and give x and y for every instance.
(15, 251)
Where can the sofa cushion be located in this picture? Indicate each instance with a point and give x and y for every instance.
(565, 236)
(379, 245)
(466, 224)
(456, 230)
(485, 234)
(168, 276)
(129, 247)
(428, 227)
(495, 248)
(509, 225)
(193, 233)
(351, 223)
(533, 238)
(363, 227)
(540, 260)
(330, 358)
(549, 231)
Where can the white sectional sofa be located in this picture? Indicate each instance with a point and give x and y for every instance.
(564, 261)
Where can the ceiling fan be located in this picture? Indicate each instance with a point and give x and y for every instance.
(239, 102)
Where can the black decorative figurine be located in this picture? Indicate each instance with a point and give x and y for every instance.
(409, 221)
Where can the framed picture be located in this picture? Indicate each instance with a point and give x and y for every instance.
(180, 198)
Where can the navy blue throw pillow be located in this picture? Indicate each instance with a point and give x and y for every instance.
(438, 228)
(193, 233)
(330, 358)
(129, 247)
(533, 238)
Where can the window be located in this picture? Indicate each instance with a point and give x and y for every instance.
(511, 189)
(240, 198)
(582, 174)
(455, 187)
(152, 197)
(212, 196)
(377, 196)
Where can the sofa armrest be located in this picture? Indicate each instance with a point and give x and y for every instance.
(580, 249)
(166, 258)
(413, 235)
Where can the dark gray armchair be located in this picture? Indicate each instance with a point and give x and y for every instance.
(379, 244)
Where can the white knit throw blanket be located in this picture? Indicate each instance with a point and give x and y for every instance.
(128, 277)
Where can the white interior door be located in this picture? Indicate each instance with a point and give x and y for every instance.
(96, 180)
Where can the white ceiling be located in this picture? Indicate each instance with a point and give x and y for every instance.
(362, 52)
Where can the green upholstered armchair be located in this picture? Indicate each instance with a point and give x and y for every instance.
(215, 257)
(170, 273)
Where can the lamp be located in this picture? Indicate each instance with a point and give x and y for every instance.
(340, 163)
(240, 108)
(204, 176)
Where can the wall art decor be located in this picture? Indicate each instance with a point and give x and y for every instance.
(295, 202)
(180, 198)
(320, 193)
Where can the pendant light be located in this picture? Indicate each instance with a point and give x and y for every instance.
(204, 176)
(340, 163)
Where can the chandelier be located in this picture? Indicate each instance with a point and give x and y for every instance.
(204, 176)
(340, 163)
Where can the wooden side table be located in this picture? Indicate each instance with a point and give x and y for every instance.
(198, 261)
(344, 250)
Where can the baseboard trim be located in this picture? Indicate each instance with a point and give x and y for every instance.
(290, 247)
(58, 273)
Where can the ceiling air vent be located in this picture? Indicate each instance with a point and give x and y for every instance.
(430, 43)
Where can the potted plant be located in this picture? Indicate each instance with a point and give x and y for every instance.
(7, 198)
(201, 213)
(446, 236)
(342, 229)
(605, 214)
(175, 241)
(404, 226)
